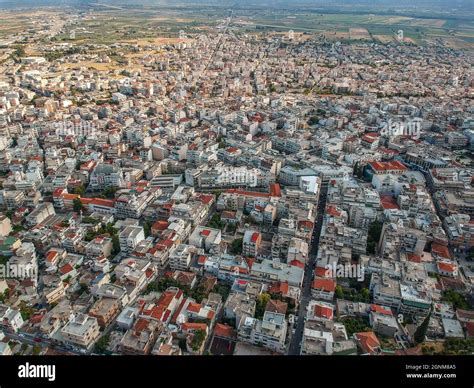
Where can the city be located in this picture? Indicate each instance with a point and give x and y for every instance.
(234, 184)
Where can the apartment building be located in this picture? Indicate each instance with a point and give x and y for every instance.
(53, 289)
(326, 338)
(251, 243)
(140, 339)
(99, 246)
(132, 204)
(130, 237)
(239, 305)
(322, 288)
(180, 257)
(13, 199)
(41, 213)
(207, 238)
(460, 231)
(291, 176)
(270, 332)
(105, 310)
(10, 317)
(82, 330)
(386, 290)
(270, 271)
(106, 175)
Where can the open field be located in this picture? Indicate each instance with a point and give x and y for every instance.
(149, 26)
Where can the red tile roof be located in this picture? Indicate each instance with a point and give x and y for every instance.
(414, 258)
(297, 263)
(305, 224)
(160, 225)
(368, 342)
(380, 309)
(186, 326)
(440, 250)
(388, 202)
(393, 165)
(66, 268)
(332, 211)
(226, 331)
(469, 329)
(323, 311)
(140, 325)
(279, 288)
(275, 190)
(370, 137)
(194, 307)
(206, 198)
(255, 237)
(321, 272)
(247, 193)
(446, 267)
(327, 285)
(102, 202)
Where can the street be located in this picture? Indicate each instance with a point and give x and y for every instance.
(294, 347)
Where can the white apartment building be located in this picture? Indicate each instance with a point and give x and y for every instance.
(106, 175)
(130, 237)
(10, 317)
(81, 330)
(180, 258)
(270, 332)
(207, 238)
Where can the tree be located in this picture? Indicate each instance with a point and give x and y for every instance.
(457, 346)
(262, 301)
(339, 292)
(470, 255)
(421, 330)
(373, 237)
(458, 301)
(215, 222)
(25, 311)
(236, 246)
(90, 220)
(222, 289)
(198, 338)
(146, 228)
(355, 325)
(365, 294)
(80, 190)
(77, 205)
(4, 296)
(357, 170)
(109, 192)
(102, 344)
(115, 244)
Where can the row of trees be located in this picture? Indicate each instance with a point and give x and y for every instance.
(373, 237)
(353, 295)
(198, 293)
(111, 231)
